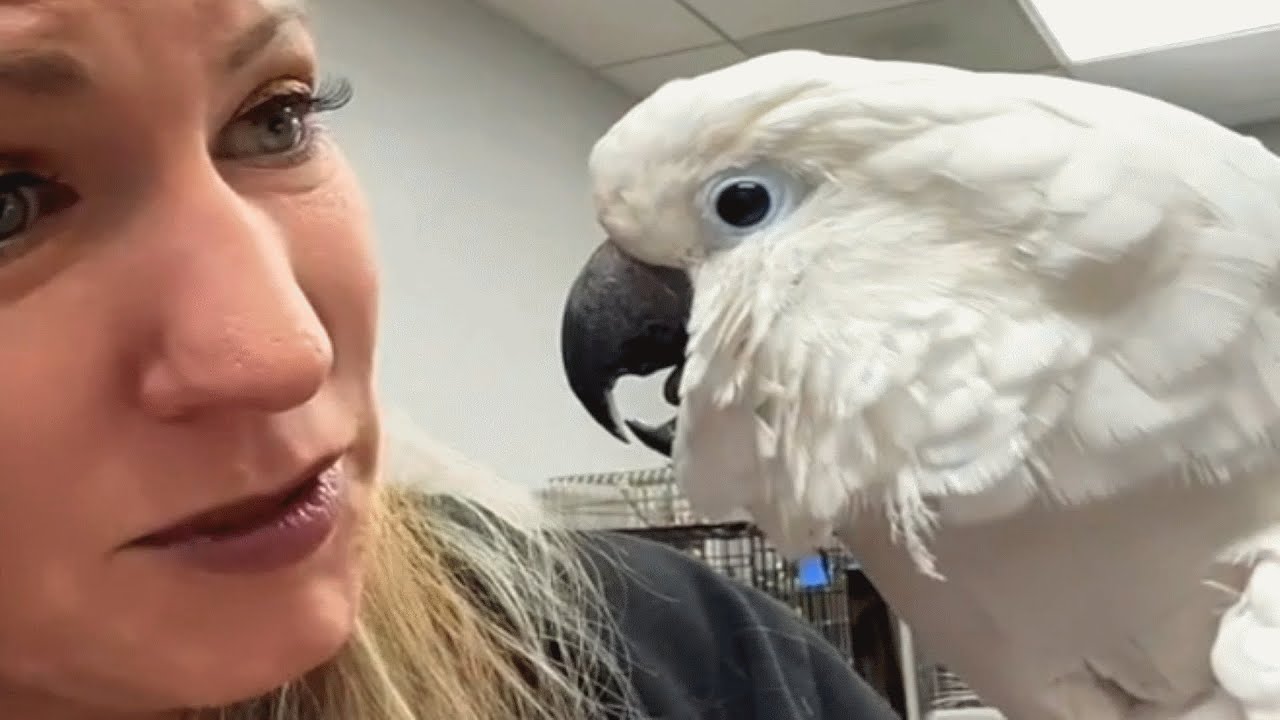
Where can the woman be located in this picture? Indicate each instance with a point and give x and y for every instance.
(192, 518)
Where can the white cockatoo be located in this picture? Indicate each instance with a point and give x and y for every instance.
(1013, 339)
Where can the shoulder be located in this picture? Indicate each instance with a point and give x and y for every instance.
(701, 646)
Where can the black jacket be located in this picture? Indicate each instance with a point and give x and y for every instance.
(704, 647)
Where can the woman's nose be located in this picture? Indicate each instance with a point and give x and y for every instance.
(236, 329)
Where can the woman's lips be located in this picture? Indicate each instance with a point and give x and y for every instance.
(261, 533)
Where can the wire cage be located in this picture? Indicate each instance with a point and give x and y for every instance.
(828, 589)
(619, 500)
(945, 691)
(816, 591)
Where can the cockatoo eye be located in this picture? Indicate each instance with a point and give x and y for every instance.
(741, 202)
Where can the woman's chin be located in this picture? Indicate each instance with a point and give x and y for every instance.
(266, 653)
(256, 636)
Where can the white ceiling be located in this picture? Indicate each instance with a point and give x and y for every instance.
(640, 44)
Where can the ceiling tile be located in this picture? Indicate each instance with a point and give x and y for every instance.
(1233, 79)
(739, 19)
(974, 34)
(644, 76)
(601, 32)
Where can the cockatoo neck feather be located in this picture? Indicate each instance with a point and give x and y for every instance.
(838, 402)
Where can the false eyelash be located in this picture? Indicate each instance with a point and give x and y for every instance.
(333, 93)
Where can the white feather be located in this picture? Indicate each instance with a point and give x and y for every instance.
(1004, 297)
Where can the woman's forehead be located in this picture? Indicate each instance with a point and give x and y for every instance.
(199, 23)
(59, 48)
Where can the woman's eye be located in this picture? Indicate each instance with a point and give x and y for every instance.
(25, 199)
(278, 126)
(281, 126)
(19, 209)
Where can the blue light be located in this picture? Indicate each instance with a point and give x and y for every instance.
(812, 572)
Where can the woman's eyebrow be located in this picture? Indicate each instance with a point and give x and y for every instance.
(42, 72)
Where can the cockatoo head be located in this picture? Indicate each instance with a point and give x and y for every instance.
(755, 245)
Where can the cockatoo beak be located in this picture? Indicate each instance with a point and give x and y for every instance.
(624, 317)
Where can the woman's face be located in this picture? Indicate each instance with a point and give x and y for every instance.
(187, 314)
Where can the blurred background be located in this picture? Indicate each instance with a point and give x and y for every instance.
(471, 127)
(473, 119)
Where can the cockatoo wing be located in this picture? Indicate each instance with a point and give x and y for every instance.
(1155, 236)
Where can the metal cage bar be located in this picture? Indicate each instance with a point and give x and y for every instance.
(834, 596)
(843, 605)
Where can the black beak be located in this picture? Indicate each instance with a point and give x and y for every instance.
(624, 317)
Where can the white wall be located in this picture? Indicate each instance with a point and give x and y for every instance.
(471, 139)
(1267, 132)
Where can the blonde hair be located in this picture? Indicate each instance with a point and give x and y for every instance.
(468, 587)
